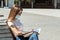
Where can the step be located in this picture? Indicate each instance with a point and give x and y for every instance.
(3, 27)
(5, 35)
(6, 39)
(4, 31)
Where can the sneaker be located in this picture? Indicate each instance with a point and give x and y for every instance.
(37, 30)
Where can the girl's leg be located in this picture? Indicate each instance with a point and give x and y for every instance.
(17, 38)
(34, 36)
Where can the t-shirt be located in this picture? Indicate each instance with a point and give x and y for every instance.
(17, 23)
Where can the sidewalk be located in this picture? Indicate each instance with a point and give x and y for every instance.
(47, 12)
(50, 25)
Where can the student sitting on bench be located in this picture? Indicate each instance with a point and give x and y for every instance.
(17, 27)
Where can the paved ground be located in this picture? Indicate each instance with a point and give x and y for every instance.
(50, 25)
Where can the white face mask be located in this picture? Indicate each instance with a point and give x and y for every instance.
(18, 16)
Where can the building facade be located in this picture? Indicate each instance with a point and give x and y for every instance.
(6, 3)
(31, 3)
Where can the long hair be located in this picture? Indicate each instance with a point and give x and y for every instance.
(14, 11)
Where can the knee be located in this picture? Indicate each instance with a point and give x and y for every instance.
(34, 34)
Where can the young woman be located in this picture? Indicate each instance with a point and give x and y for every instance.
(17, 27)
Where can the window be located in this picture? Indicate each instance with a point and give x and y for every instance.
(43, 4)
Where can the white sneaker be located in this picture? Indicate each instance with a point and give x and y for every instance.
(37, 30)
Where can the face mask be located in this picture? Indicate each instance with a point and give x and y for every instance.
(18, 16)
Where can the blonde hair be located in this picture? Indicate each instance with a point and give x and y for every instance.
(14, 11)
